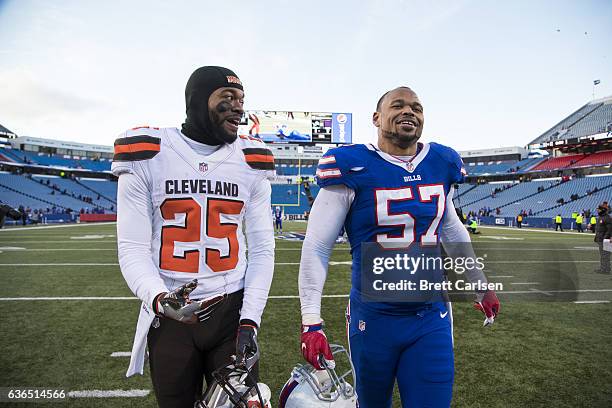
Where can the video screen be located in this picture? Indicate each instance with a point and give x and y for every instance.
(278, 126)
(297, 127)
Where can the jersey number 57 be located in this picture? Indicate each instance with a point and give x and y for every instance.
(405, 220)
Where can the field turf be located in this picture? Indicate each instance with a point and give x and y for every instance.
(545, 350)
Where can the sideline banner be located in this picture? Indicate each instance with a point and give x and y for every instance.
(98, 217)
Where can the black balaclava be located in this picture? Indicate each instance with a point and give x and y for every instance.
(201, 84)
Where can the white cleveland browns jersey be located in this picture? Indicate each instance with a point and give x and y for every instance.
(182, 207)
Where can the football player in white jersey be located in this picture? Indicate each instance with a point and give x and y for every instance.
(184, 197)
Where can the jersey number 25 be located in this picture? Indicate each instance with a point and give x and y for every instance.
(190, 232)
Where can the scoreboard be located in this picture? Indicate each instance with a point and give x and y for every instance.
(297, 127)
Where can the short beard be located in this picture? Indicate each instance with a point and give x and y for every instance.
(403, 142)
(217, 129)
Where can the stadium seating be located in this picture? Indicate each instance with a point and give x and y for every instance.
(71, 186)
(526, 164)
(595, 159)
(44, 194)
(560, 130)
(477, 194)
(589, 202)
(524, 196)
(595, 122)
(579, 186)
(51, 160)
(95, 165)
(507, 196)
(493, 167)
(15, 199)
(13, 155)
(106, 188)
(291, 170)
(557, 163)
(575, 161)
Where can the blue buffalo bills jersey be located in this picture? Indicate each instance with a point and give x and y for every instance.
(398, 203)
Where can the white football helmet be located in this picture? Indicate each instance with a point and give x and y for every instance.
(311, 388)
(229, 390)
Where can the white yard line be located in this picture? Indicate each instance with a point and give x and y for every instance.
(537, 262)
(540, 291)
(121, 354)
(70, 298)
(58, 264)
(9, 299)
(277, 249)
(56, 249)
(588, 302)
(297, 296)
(501, 276)
(53, 226)
(108, 393)
(332, 263)
(536, 230)
(55, 241)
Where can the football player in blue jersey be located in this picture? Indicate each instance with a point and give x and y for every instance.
(396, 195)
(278, 219)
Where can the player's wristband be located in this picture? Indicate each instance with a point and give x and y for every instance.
(157, 309)
(248, 322)
(312, 328)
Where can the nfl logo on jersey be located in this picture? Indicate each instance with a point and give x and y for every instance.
(203, 167)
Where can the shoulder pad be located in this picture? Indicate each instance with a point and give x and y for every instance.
(449, 155)
(256, 153)
(337, 165)
(141, 143)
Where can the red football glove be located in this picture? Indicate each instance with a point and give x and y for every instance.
(315, 347)
(487, 303)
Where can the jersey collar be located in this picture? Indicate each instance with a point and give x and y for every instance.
(199, 163)
(408, 165)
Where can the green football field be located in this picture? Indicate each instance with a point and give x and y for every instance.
(550, 347)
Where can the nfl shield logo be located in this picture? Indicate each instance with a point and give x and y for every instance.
(361, 325)
(203, 167)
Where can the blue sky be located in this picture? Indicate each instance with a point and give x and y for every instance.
(489, 73)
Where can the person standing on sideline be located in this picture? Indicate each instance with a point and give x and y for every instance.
(278, 219)
(579, 220)
(593, 223)
(558, 223)
(602, 235)
(519, 220)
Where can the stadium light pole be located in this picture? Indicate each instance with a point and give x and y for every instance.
(595, 83)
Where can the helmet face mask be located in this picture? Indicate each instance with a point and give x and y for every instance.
(309, 387)
(229, 389)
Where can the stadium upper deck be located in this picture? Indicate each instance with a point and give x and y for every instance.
(592, 119)
(42, 173)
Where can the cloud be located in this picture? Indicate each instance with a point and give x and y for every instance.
(23, 96)
(31, 107)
